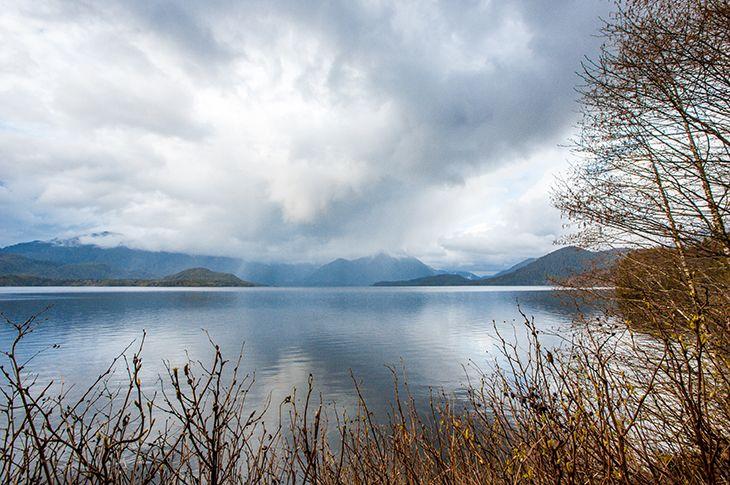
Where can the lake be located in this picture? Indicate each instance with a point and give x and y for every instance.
(287, 333)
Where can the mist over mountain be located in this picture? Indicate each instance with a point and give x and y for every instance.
(71, 259)
(513, 268)
(275, 274)
(71, 256)
(367, 270)
(123, 262)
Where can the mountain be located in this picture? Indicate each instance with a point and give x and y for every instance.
(72, 259)
(75, 260)
(514, 268)
(123, 262)
(555, 267)
(24, 280)
(202, 277)
(436, 280)
(547, 270)
(368, 270)
(14, 264)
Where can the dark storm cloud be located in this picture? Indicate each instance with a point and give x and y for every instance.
(512, 90)
(290, 129)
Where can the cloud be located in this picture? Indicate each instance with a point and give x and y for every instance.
(291, 130)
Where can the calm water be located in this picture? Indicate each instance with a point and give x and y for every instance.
(288, 333)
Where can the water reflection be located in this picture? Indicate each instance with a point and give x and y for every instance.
(288, 333)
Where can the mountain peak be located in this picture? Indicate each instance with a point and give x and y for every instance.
(381, 256)
(556, 266)
(368, 270)
(100, 239)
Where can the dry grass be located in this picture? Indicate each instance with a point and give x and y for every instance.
(611, 406)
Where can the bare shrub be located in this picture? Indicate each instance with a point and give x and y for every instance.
(609, 405)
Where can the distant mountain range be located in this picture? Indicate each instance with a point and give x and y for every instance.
(120, 261)
(70, 259)
(553, 268)
(368, 270)
(72, 262)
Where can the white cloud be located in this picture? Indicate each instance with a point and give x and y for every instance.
(281, 130)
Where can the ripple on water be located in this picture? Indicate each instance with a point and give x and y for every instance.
(288, 333)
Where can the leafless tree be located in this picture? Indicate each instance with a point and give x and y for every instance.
(654, 140)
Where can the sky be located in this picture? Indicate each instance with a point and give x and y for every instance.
(292, 130)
